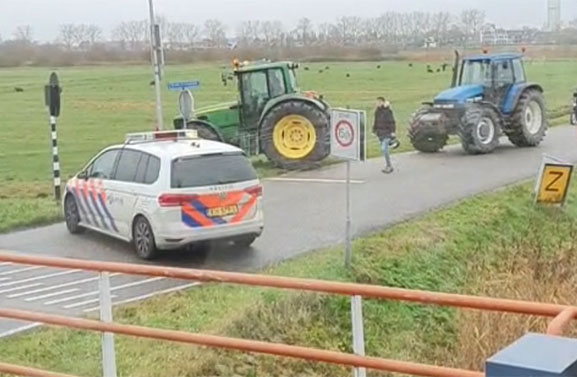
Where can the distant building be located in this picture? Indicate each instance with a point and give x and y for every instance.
(493, 36)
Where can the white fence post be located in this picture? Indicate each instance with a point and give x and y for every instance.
(358, 332)
(108, 352)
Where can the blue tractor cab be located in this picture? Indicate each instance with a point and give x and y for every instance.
(489, 96)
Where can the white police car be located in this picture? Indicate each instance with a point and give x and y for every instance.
(166, 190)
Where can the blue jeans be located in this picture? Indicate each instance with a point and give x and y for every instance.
(386, 151)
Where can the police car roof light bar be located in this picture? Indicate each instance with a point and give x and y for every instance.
(148, 137)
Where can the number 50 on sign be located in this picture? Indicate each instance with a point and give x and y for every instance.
(553, 183)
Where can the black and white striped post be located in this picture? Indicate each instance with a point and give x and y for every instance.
(52, 96)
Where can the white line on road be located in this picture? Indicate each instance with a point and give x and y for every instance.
(40, 278)
(19, 288)
(149, 295)
(129, 285)
(20, 270)
(4, 279)
(77, 282)
(83, 303)
(48, 295)
(19, 330)
(5, 263)
(314, 180)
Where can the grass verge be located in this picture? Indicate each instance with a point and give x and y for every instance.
(493, 244)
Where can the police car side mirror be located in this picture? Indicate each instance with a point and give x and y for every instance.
(82, 175)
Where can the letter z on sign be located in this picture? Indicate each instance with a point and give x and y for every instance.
(554, 184)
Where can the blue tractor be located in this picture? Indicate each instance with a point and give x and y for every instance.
(489, 97)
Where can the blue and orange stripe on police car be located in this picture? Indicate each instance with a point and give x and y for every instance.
(195, 213)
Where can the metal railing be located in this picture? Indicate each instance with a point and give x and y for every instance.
(562, 314)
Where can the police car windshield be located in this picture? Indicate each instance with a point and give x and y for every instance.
(210, 170)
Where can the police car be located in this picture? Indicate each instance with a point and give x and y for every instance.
(167, 190)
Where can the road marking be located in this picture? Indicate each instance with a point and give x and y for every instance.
(20, 270)
(4, 279)
(83, 303)
(19, 288)
(60, 286)
(148, 295)
(40, 278)
(59, 293)
(5, 263)
(314, 180)
(19, 329)
(129, 285)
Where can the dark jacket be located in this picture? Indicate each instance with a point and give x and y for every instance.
(385, 124)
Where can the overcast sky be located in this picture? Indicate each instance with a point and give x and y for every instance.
(46, 15)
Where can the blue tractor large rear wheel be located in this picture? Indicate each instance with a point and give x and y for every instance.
(529, 121)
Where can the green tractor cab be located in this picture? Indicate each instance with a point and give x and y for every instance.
(271, 116)
(489, 97)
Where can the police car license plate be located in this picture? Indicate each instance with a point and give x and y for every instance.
(223, 211)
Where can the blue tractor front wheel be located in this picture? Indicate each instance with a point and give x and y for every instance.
(480, 129)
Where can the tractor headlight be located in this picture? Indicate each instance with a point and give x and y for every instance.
(444, 106)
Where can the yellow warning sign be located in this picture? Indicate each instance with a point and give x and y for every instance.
(554, 183)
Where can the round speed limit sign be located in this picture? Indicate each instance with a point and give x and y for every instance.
(344, 134)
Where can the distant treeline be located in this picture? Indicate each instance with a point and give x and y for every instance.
(347, 38)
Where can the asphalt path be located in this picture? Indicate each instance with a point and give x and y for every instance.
(303, 212)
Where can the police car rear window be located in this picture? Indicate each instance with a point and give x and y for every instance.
(210, 170)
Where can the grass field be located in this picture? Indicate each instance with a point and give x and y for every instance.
(102, 104)
(499, 245)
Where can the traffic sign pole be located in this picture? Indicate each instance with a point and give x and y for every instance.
(155, 47)
(348, 251)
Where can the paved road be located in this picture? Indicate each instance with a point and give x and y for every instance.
(303, 212)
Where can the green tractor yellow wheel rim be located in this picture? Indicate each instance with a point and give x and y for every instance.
(294, 137)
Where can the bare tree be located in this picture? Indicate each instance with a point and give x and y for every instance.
(191, 33)
(93, 33)
(133, 33)
(215, 33)
(272, 32)
(472, 21)
(249, 32)
(304, 31)
(175, 34)
(24, 33)
(66, 35)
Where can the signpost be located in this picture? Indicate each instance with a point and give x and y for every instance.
(553, 181)
(184, 85)
(349, 142)
(52, 98)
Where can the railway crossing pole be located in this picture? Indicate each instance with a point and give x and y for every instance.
(52, 98)
(348, 142)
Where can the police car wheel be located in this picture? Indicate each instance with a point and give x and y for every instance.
(143, 239)
(72, 216)
(245, 241)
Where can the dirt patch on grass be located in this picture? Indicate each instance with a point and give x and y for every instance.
(112, 105)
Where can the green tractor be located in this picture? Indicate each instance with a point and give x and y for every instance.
(271, 116)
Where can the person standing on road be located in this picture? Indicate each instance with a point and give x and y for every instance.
(385, 128)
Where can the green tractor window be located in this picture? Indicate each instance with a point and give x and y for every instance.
(277, 85)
